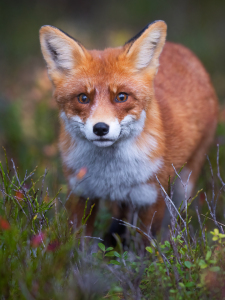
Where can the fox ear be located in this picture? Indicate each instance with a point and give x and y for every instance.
(61, 52)
(144, 49)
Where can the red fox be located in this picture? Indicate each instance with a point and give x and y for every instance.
(127, 114)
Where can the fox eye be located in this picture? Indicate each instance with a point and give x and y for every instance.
(121, 97)
(82, 98)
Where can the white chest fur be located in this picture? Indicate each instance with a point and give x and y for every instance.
(119, 172)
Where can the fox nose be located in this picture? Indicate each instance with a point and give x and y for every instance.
(101, 129)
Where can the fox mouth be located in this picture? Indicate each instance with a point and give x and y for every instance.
(103, 140)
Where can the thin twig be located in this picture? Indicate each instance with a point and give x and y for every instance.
(150, 227)
(171, 202)
(30, 209)
(200, 223)
(148, 237)
(218, 168)
(14, 168)
(213, 187)
(91, 237)
(213, 215)
(213, 220)
(16, 201)
(42, 186)
(174, 248)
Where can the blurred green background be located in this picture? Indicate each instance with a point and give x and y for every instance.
(28, 114)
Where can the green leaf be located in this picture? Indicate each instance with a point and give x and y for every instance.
(208, 255)
(149, 249)
(116, 254)
(215, 238)
(125, 255)
(110, 253)
(188, 264)
(214, 269)
(190, 284)
(142, 286)
(117, 289)
(203, 266)
(212, 261)
(167, 243)
(109, 249)
(101, 246)
(216, 231)
(114, 262)
(181, 284)
(201, 261)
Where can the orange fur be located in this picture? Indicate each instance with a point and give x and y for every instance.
(179, 101)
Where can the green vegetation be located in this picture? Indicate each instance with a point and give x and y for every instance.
(42, 258)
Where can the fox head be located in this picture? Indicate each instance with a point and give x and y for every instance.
(103, 96)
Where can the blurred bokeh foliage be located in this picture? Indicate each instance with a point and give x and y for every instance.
(28, 114)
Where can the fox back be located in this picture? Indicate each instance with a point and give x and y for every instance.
(127, 115)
